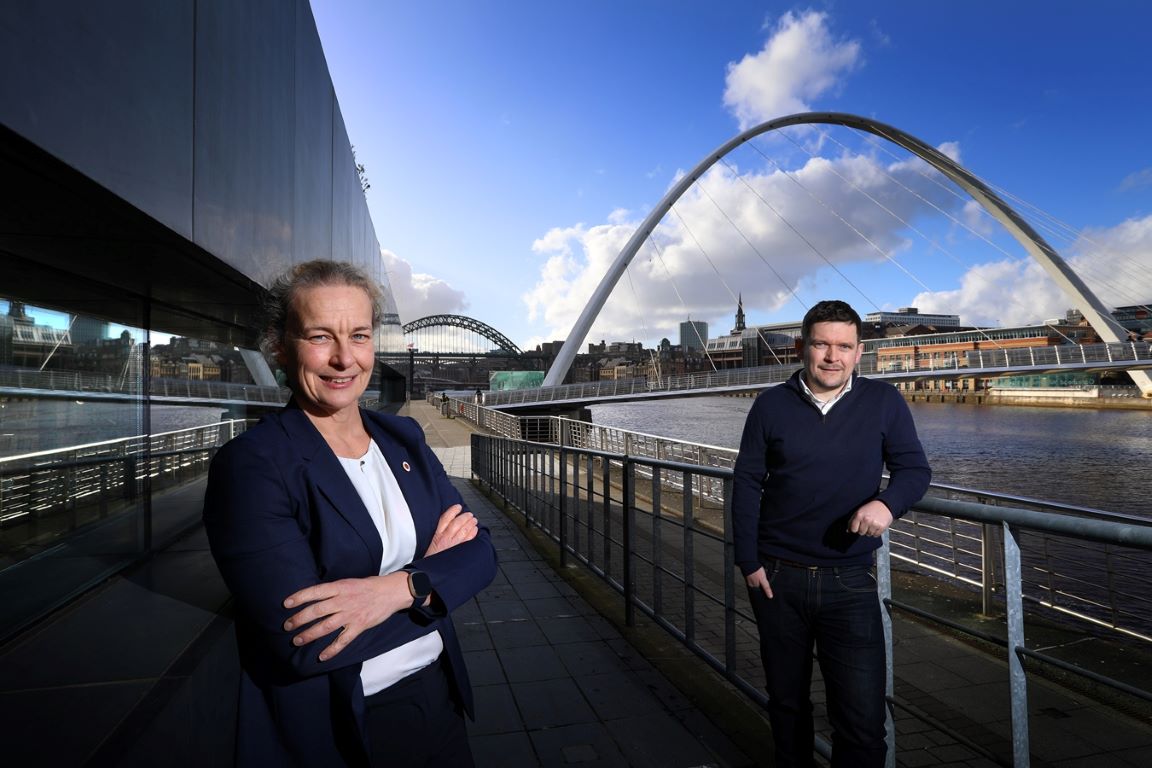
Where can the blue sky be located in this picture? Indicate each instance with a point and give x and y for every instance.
(512, 147)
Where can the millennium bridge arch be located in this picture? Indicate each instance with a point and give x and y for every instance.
(468, 324)
(1092, 308)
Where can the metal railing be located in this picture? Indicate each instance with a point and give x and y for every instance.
(1059, 355)
(26, 380)
(643, 525)
(50, 485)
(1072, 356)
(47, 483)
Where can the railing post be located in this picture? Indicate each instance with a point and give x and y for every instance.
(563, 505)
(987, 574)
(728, 576)
(689, 557)
(606, 506)
(628, 499)
(884, 587)
(1017, 678)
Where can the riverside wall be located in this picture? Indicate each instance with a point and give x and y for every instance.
(1122, 398)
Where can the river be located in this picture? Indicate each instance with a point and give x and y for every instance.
(1093, 458)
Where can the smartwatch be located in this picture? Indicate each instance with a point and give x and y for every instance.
(420, 586)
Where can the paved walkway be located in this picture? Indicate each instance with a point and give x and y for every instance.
(556, 683)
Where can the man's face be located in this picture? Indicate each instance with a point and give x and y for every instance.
(830, 355)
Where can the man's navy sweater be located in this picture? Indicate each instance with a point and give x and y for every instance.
(800, 474)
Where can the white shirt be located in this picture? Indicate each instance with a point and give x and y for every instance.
(826, 405)
(381, 494)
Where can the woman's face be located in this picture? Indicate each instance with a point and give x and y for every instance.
(328, 352)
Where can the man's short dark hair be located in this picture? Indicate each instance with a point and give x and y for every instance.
(831, 311)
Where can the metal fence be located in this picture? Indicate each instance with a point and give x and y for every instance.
(28, 381)
(1059, 355)
(643, 525)
(52, 486)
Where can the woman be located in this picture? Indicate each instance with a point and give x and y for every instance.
(345, 547)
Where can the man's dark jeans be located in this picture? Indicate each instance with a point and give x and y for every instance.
(836, 609)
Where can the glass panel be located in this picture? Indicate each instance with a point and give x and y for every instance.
(91, 478)
(72, 492)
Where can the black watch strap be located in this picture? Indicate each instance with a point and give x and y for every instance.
(420, 587)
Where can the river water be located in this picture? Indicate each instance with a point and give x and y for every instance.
(1093, 458)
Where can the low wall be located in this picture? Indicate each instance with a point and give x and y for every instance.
(1126, 398)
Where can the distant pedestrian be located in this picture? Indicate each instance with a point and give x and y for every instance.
(808, 514)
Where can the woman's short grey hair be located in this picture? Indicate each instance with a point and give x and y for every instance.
(310, 274)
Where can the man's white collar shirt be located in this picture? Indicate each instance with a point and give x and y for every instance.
(826, 405)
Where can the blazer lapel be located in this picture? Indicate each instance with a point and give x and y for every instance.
(408, 475)
(326, 474)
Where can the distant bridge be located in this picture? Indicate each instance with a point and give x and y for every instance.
(457, 335)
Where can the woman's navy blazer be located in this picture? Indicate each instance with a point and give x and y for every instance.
(282, 515)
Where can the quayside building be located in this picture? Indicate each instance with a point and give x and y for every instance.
(159, 163)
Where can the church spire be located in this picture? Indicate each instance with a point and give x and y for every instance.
(739, 315)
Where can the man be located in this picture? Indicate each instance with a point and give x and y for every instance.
(808, 513)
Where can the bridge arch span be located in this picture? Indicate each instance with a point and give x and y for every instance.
(468, 324)
(1092, 308)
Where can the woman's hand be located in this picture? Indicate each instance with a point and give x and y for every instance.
(350, 605)
(454, 527)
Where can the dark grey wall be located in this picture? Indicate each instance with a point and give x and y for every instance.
(216, 119)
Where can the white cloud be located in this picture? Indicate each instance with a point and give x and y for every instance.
(1137, 180)
(1115, 263)
(799, 62)
(419, 295)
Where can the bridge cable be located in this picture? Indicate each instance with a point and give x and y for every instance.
(755, 250)
(799, 234)
(1117, 283)
(930, 240)
(887, 256)
(719, 276)
(933, 243)
(676, 289)
(779, 277)
(934, 178)
(1048, 222)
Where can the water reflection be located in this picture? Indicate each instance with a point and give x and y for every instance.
(27, 426)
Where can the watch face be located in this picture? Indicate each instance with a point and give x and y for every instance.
(419, 584)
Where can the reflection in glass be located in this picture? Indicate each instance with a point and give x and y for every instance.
(100, 432)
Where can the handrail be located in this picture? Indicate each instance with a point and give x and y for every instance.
(43, 484)
(23, 380)
(648, 539)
